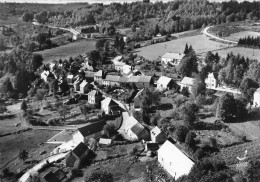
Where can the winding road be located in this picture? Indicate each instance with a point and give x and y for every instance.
(205, 32)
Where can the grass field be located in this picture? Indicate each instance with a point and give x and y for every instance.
(236, 36)
(69, 50)
(200, 43)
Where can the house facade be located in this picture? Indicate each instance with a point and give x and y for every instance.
(157, 136)
(172, 58)
(112, 80)
(94, 97)
(256, 102)
(98, 76)
(84, 87)
(118, 63)
(212, 80)
(76, 85)
(109, 106)
(94, 130)
(173, 160)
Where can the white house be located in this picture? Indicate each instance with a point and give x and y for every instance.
(172, 58)
(109, 106)
(94, 130)
(256, 102)
(187, 82)
(44, 75)
(118, 63)
(212, 80)
(84, 87)
(98, 76)
(173, 160)
(157, 136)
(164, 83)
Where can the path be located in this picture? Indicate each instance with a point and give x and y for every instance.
(38, 166)
(205, 31)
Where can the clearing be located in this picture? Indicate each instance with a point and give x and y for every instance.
(67, 51)
(238, 35)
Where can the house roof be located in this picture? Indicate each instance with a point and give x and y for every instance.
(139, 93)
(89, 74)
(180, 163)
(155, 131)
(164, 80)
(117, 61)
(92, 128)
(144, 79)
(126, 69)
(170, 55)
(123, 79)
(94, 93)
(152, 146)
(187, 81)
(137, 129)
(105, 141)
(257, 90)
(113, 78)
(108, 102)
(83, 84)
(80, 149)
(70, 76)
(99, 73)
(133, 79)
(214, 75)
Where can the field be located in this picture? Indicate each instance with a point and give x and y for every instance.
(67, 51)
(242, 34)
(30, 140)
(200, 43)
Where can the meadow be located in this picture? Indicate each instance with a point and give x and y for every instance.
(238, 35)
(67, 51)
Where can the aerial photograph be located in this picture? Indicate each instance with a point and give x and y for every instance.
(129, 91)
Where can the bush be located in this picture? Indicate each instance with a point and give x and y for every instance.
(181, 133)
(175, 114)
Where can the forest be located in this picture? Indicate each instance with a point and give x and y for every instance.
(250, 42)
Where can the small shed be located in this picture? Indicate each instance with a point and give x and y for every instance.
(104, 141)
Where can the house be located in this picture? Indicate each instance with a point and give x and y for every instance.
(144, 81)
(187, 82)
(98, 76)
(84, 87)
(157, 136)
(151, 146)
(109, 106)
(138, 132)
(44, 75)
(212, 80)
(112, 80)
(94, 97)
(165, 83)
(93, 130)
(76, 36)
(104, 141)
(173, 160)
(77, 155)
(172, 58)
(256, 102)
(50, 177)
(76, 85)
(126, 69)
(70, 79)
(89, 76)
(117, 61)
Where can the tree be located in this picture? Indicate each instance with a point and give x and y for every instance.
(41, 17)
(23, 106)
(63, 111)
(156, 30)
(181, 133)
(189, 114)
(226, 108)
(186, 51)
(2, 109)
(116, 42)
(190, 139)
(27, 16)
(41, 38)
(188, 65)
(185, 91)
(85, 109)
(247, 87)
(110, 130)
(100, 44)
(133, 28)
(23, 155)
(36, 61)
(94, 58)
(147, 102)
(40, 94)
(252, 169)
(98, 175)
(2, 43)
(199, 87)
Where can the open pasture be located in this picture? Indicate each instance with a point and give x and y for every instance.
(238, 35)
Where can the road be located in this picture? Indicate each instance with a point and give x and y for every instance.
(205, 32)
(38, 166)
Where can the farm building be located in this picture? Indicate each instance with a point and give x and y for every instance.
(138, 99)
(44, 75)
(144, 81)
(94, 97)
(84, 87)
(256, 102)
(212, 80)
(112, 80)
(104, 141)
(89, 76)
(98, 76)
(117, 61)
(157, 136)
(151, 146)
(164, 83)
(109, 106)
(70, 79)
(187, 82)
(172, 58)
(94, 130)
(173, 160)
(77, 155)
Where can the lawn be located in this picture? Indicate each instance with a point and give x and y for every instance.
(200, 43)
(67, 51)
(12, 144)
(242, 34)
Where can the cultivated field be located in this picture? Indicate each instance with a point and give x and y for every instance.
(238, 35)
(200, 43)
(67, 51)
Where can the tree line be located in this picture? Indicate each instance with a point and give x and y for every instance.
(249, 42)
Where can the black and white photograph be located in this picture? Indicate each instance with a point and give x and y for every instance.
(129, 90)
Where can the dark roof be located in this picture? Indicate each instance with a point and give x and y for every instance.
(154, 146)
(50, 177)
(137, 129)
(144, 79)
(92, 128)
(80, 149)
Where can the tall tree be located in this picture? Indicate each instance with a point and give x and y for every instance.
(226, 108)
